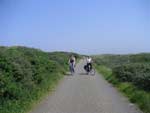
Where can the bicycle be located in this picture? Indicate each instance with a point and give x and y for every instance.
(71, 68)
(89, 69)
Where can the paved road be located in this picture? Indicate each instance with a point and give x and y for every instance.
(82, 93)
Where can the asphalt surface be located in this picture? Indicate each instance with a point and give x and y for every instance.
(83, 93)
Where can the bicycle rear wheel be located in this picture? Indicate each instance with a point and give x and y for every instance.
(92, 72)
(71, 69)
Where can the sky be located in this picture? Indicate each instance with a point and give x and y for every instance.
(82, 26)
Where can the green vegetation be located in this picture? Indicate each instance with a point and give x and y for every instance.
(130, 73)
(26, 74)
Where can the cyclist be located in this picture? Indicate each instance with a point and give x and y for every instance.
(72, 62)
(89, 64)
(88, 67)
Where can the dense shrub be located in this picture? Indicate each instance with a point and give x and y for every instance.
(114, 60)
(128, 68)
(137, 73)
(26, 71)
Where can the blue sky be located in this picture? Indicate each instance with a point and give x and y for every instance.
(83, 26)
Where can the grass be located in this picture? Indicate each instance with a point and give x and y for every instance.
(26, 104)
(135, 95)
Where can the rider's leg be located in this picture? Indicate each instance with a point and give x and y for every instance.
(72, 68)
(90, 66)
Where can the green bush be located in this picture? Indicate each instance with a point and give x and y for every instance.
(26, 73)
(132, 86)
(114, 60)
(128, 68)
(137, 73)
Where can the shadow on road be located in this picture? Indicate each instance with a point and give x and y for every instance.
(83, 74)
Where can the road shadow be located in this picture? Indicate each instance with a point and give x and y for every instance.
(69, 74)
(83, 74)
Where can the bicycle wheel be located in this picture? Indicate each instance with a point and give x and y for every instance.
(71, 70)
(92, 72)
